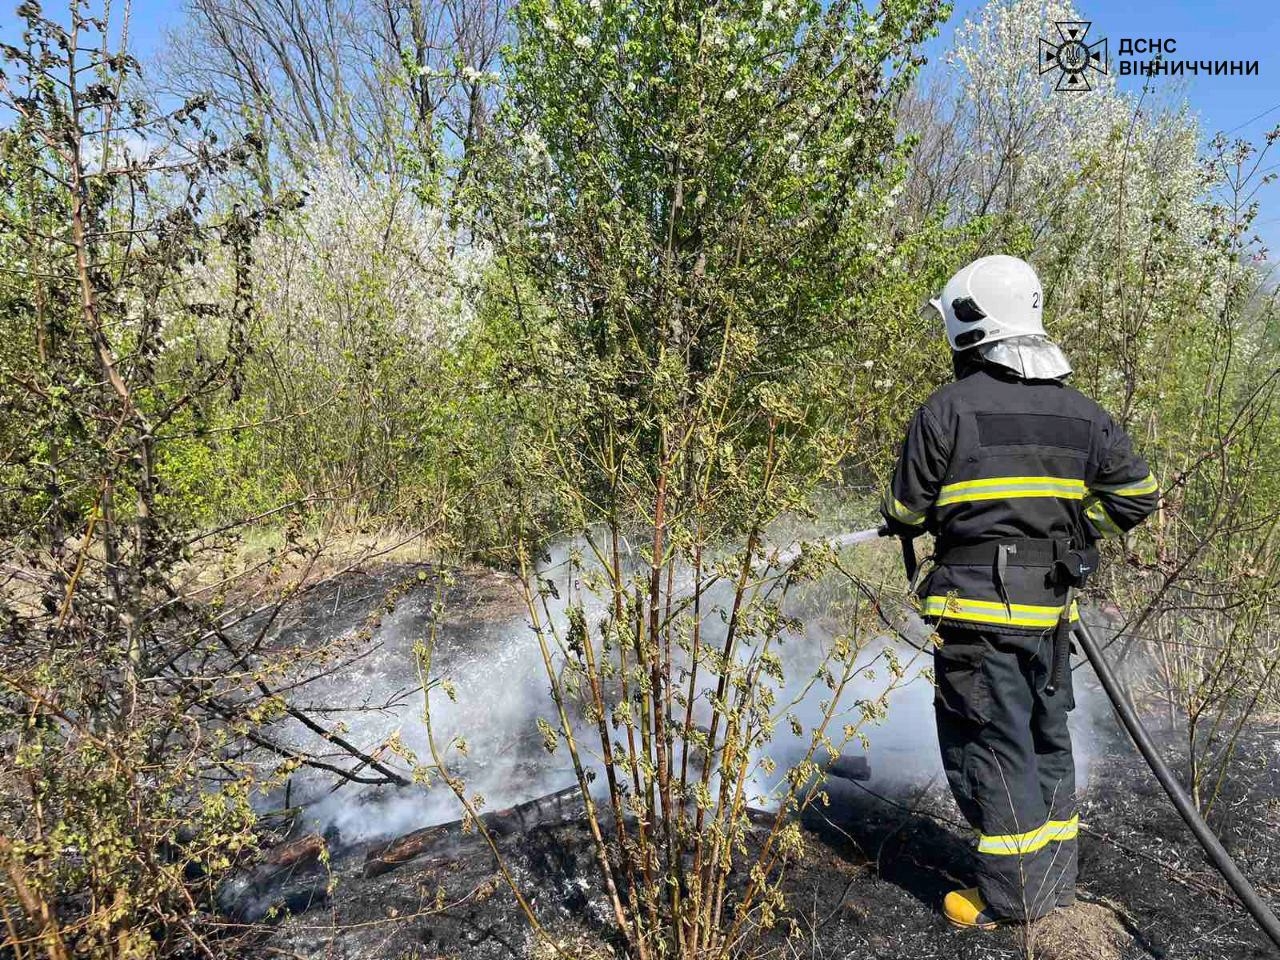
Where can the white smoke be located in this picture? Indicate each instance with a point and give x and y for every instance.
(502, 691)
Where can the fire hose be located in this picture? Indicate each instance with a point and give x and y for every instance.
(1217, 854)
(1221, 860)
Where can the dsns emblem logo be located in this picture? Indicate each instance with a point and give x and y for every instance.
(1072, 56)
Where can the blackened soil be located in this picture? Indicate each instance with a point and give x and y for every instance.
(867, 885)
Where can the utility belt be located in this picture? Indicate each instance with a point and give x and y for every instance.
(1012, 551)
(1070, 562)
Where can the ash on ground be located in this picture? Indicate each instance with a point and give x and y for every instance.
(868, 885)
(876, 864)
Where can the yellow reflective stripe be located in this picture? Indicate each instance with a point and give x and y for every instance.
(1001, 488)
(993, 611)
(1130, 489)
(898, 511)
(1102, 520)
(1000, 481)
(1031, 841)
(1064, 829)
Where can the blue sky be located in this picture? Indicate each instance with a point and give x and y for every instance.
(1241, 30)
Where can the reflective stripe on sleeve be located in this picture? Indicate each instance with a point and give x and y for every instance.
(1003, 488)
(995, 612)
(900, 512)
(1130, 489)
(1031, 841)
(1102, 520)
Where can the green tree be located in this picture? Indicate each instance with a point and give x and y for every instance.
(128, 699)
(690, 206)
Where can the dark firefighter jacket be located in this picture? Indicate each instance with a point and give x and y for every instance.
(992, 457)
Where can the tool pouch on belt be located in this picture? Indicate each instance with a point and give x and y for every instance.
(1070, 571)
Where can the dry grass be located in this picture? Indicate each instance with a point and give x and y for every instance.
(259, 560)
(1086, 931)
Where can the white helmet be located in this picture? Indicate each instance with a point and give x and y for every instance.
(991, 299)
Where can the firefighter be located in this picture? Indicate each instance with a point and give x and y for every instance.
(1015, 474)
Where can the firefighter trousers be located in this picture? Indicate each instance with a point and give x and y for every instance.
(1007, 754)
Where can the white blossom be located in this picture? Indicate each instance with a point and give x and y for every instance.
(362, 251)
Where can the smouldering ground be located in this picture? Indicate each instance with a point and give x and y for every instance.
(868, 885)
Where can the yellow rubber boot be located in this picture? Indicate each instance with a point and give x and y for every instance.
(966, 908)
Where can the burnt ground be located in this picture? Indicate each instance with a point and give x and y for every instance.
(1145, 888)
(868, 884)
